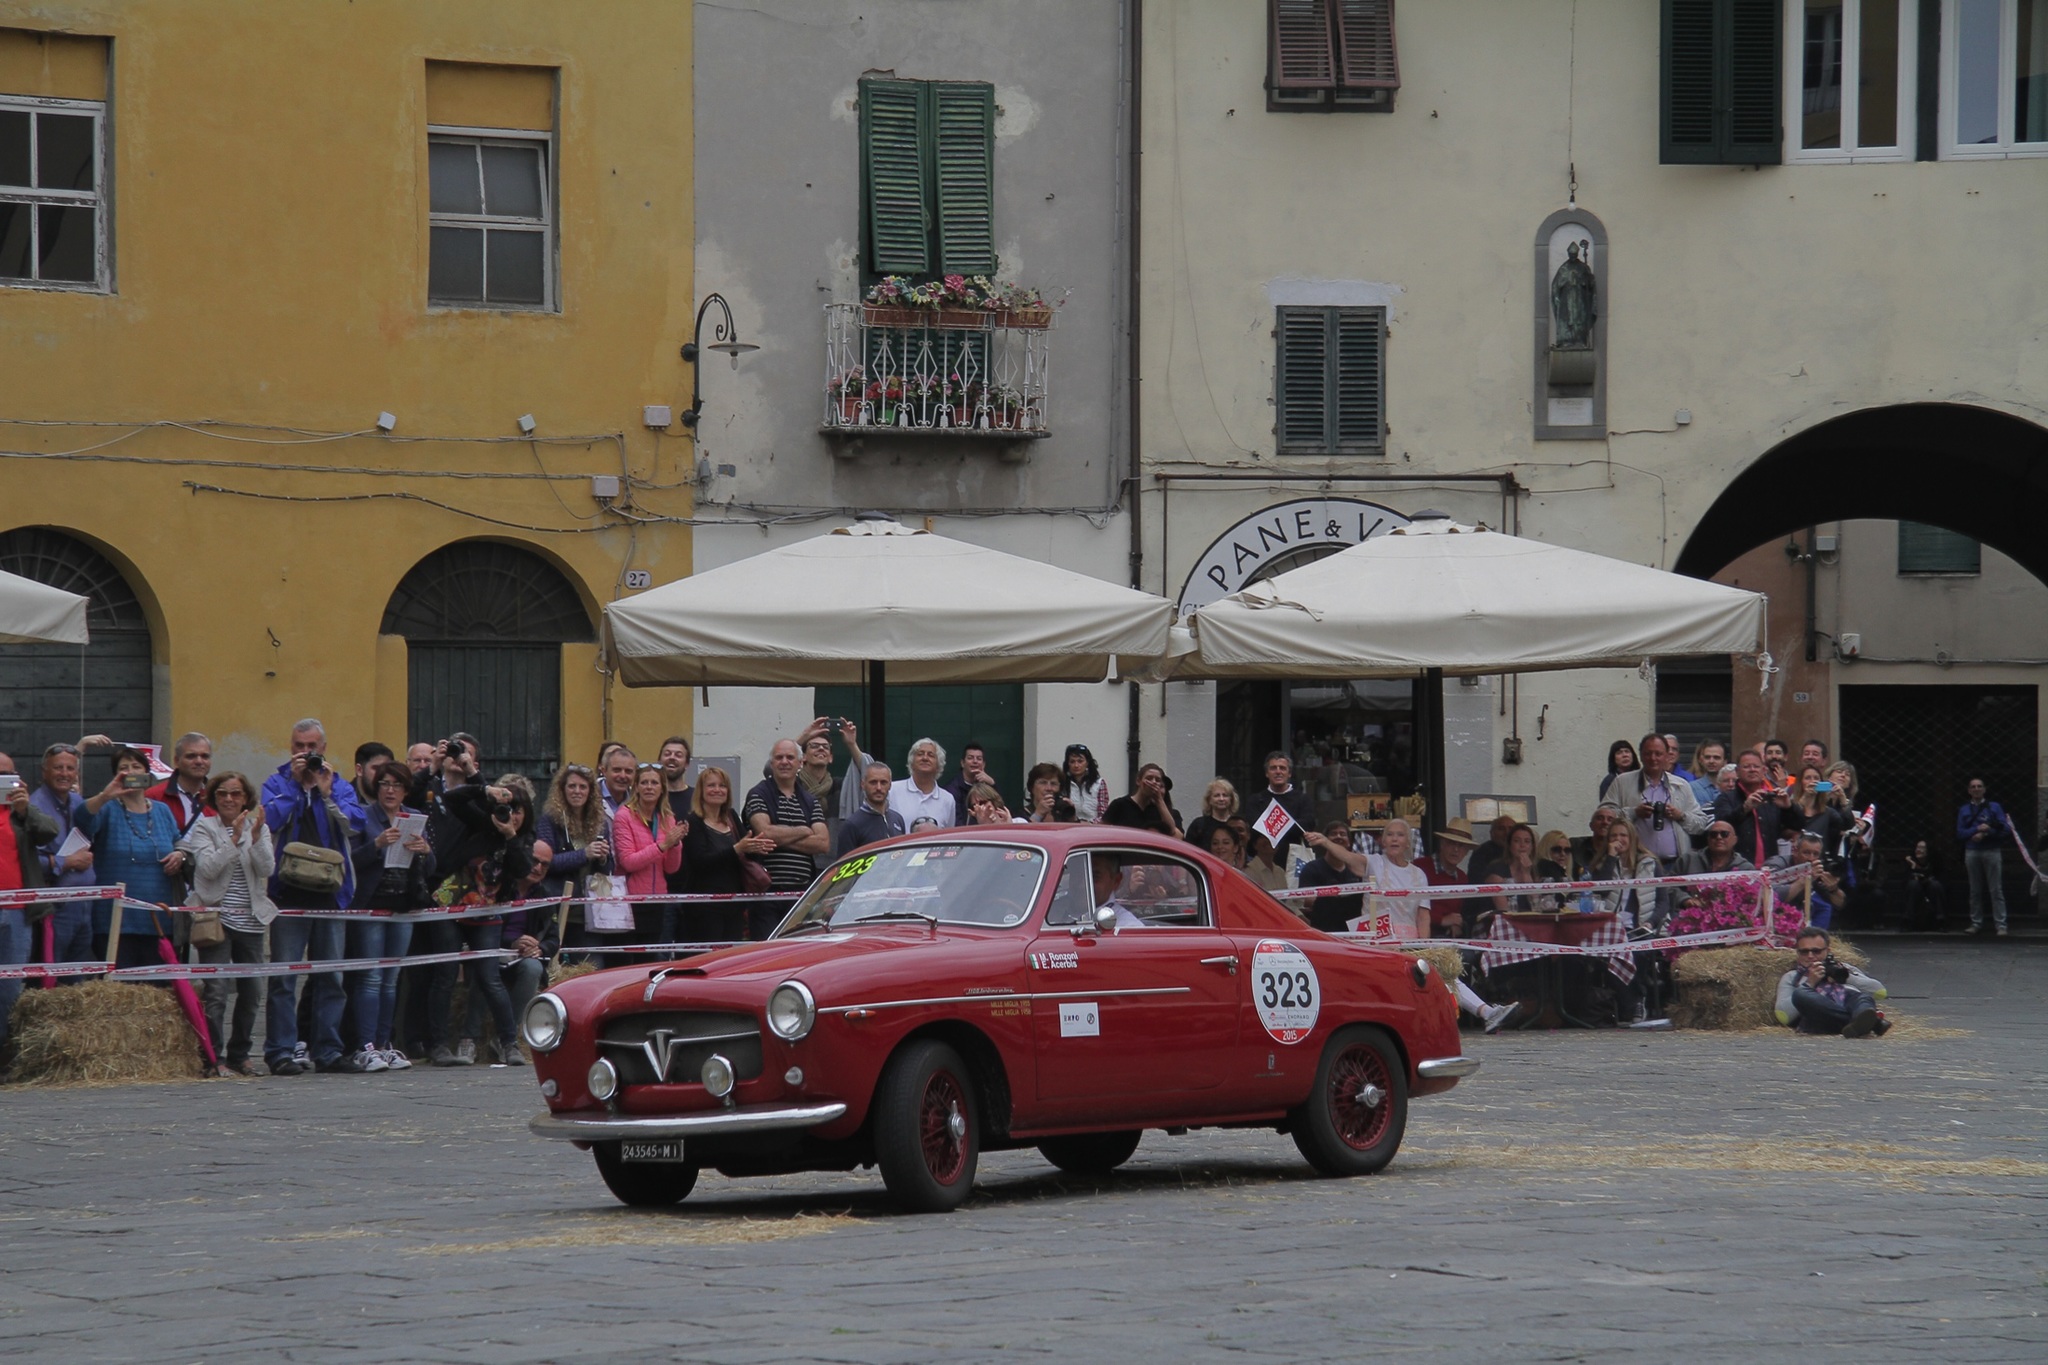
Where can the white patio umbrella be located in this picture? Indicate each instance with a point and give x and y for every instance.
(1436, 595)
(33, 613)
(879, 602)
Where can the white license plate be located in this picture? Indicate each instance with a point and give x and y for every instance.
(670, 1150)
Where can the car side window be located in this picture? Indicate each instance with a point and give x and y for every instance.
(1164, 892)
(1072, 900)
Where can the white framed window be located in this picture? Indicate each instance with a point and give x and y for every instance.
(1994, 78)
(53, 207)
(1849, 80)
(490, 219)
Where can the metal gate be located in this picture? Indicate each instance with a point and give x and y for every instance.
(484, 625)
(54, 693)
(1915, 750)
(1696, 702)
(991, 714)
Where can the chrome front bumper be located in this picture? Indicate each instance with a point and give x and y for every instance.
(612, 1127)
(1447, 1068)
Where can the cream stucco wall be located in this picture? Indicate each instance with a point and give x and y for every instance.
(1761, 300)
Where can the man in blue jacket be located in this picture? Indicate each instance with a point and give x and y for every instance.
(1980, 824)
(302, 803)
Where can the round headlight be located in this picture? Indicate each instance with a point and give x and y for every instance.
(791, 1011)
(546, 1018)
(603, 1081)
(717, 1076)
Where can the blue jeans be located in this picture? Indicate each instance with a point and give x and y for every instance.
(373, 994)
(296, 939)
(1986, 867)
(1813, 1012)
(71, 933)
(15, 936)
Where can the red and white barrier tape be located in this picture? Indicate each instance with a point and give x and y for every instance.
(41, 894)
(1522, 946)
(691, 898)
(678, 949)
(1468, 890)
(217, 971)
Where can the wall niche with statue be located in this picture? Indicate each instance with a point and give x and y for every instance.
(1571, 327)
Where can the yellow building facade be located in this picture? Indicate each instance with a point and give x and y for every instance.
(329, 335)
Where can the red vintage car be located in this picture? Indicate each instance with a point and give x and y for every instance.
(1063, 987)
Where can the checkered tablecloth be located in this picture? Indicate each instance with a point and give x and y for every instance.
(1609, 934)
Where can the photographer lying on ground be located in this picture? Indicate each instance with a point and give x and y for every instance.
(1821, 995)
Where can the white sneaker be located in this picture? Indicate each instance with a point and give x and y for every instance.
(1497, 1016)
(303, 1057)
(395, 1060)
(1641, 1015)
(373, 1060)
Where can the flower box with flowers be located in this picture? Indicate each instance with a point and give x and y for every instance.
(954, 301)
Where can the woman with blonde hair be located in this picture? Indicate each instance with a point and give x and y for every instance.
(1219, 803)
(712, 851)
(232, 859)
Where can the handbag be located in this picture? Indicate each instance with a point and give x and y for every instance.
(754, 878)
(603, 913)
(206, 930)
(311, 867)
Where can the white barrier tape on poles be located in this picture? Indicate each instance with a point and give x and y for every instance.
(36, 970)
(1535, 949)
(678, 949)
(45, 894)
(1469, 890)
(216, 971)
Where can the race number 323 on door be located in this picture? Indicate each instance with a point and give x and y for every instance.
(1285, 991)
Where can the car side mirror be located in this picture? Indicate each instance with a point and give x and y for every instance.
(1105, 919)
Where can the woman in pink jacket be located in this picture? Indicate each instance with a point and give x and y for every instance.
(647, 846)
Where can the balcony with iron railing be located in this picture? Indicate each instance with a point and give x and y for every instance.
(941, 373)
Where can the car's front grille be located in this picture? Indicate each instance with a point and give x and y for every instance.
(671, 1045)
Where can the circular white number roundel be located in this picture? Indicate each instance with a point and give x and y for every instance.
(1285, 990)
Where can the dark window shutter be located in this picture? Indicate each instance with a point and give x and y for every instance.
(1302, 58)
(1721, 82)
(893, 175)
(1929, 549)
(1365, 44)
(1357, 379)
(964, 126)
(1302, 381)
(1755, 44)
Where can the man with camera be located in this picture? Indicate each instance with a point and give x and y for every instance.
(1807, 881)
(313, 818)
(1665, 811)
(1824, 995)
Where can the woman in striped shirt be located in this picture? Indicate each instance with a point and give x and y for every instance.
(233, 857)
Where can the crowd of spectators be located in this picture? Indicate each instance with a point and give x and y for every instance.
(431, 828)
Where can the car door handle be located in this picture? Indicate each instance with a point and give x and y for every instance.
(1228, 962)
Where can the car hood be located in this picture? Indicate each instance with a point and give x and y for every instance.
(828, 963)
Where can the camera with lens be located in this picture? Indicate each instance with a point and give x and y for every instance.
(315, 763)
(503, 810)
(1837, 972)
(1659, 812)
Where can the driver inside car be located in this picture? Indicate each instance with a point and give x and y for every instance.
(1108, 877)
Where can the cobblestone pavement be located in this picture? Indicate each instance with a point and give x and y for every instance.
(1587, 1197)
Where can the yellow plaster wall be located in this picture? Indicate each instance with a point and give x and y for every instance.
(270, 257)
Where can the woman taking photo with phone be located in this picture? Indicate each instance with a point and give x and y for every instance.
(134, 844)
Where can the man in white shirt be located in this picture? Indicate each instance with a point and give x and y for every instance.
(919, 796)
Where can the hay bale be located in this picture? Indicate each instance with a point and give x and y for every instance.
(557, 973)
(1449, 962)
(1737, 987)
(104, 1031)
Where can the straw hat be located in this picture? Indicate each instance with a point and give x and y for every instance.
(1459, 831)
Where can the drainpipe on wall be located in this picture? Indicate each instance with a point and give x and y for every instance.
(1134, 15)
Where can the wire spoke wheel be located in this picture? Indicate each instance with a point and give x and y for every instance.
(927, 1127)
(1357, 1111)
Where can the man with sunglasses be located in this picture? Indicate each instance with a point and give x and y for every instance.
(1821, 995)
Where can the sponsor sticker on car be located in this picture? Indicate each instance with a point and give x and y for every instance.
(1285, 990)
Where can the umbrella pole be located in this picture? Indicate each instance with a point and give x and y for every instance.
(1434, 784)
(878, 710)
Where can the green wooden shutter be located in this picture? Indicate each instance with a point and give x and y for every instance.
(964, 137)
(1755, 43)
(1358, 378)
(1301, 382)
(894, 198)
(1721, 79)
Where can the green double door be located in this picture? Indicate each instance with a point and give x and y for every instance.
(991, 715)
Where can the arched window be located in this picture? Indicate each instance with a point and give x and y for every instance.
(484, 625)
(55, 693)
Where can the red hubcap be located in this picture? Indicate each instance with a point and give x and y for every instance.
(1361, 1097)
(942, 1127)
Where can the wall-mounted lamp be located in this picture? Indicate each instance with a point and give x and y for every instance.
(724, 339)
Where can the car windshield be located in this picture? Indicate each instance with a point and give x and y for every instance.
(989, 884)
